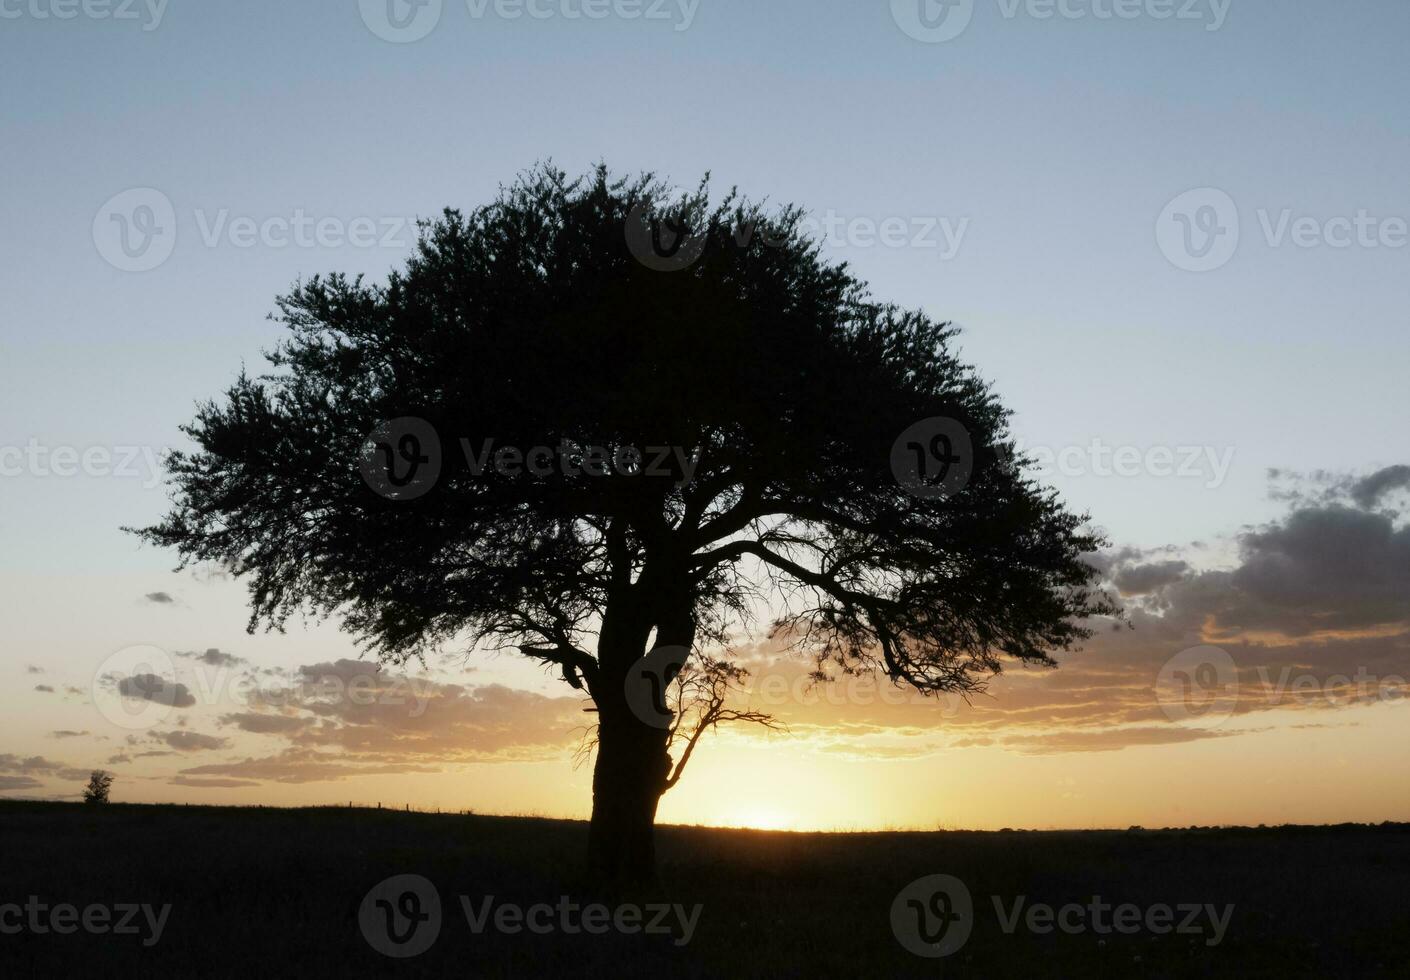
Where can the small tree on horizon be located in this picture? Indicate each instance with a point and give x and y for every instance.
(99, 783)
(817, 434)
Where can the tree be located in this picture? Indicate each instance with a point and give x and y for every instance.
(474, 451)
(99, 783)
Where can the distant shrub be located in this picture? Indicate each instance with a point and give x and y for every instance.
(98, 785)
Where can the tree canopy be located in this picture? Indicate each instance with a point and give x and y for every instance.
(530, 322)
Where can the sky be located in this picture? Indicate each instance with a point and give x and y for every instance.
(1174, 235)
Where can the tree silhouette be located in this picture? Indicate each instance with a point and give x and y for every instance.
(99, 783)
(470, 451)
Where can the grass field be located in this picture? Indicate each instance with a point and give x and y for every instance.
(272, 892)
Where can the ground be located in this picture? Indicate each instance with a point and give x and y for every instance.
(280, 892)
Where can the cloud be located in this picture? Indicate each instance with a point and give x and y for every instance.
(1144, 579)
(184, 741)
(210, 783)
(346, 718)
(18, 782)
(343, 670)
(1368, 491)
(45, 688)
(37, 765)
(159, 598)
(1312, 610)
(1106, 740)
(65, 733)
(302, 766)
(265, 723)
(31, 669)
(1330, 569)
(212, 656)
(150, 687)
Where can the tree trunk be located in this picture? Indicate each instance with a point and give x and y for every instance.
(627, 782)
(633, 764)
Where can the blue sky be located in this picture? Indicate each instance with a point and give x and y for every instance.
(1055, 142)
(1060, 140)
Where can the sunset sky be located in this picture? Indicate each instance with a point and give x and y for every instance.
(1242, 434)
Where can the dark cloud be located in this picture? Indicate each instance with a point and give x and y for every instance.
(348, 717)
(160, 598)
(212, 656)
(210, 783)
(31, 669)
(343, 670)
(1368, 491)
(1313, 615)
(18, 782)
(1323, 569)
(265, 723)
(1134, 580)
(303, 766)
(150, 687)
(65, 733)
(44, 688)
(37, 765)
(184, 741)
(1106, 740)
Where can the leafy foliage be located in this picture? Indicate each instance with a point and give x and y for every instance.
(530, 322)
(99, 785)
